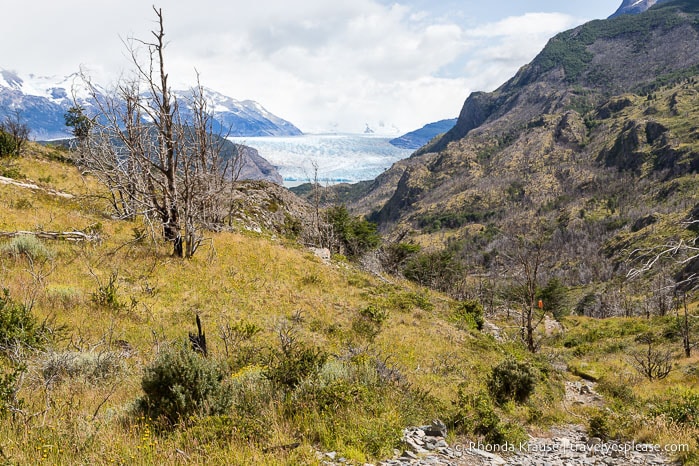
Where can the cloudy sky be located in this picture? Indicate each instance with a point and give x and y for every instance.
(321, 64)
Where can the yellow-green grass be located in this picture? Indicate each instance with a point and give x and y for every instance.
(274, 284)
(235, 276)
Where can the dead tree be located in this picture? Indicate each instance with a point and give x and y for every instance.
(686, 324)
(198, 340)
(524, 254)
(17, 130)
(680, 253)
(654, 363)
(156, 162)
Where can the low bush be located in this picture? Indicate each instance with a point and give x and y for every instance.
(9, 146)
(181, 383)
(396, 254)
(352, 235)
(410, 300)
(470, 313)
(679, 406)
(511, 380)
(18, 326)
(93, 366)
(294, 362)
(369, 322)
(600, 426)
(619, 390)
(27, 246)
(476, 415)
(439, 269)
(107, 294)
(66, 297)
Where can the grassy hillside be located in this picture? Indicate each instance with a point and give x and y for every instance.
(314, 356)
(109, 307)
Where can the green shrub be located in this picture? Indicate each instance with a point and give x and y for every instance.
(374, 314)
(292, 227)
(237, 338)
(600, 426)
(370, 321)
(475, 414)
(28, 246)
(410, 300)
(439, 269)
(553, 297)
(107, 294)
(18, 326)
(679, 406)
(354, 235)
(511, 380)
(9, 146)
(294, 362)
(396, 254)
(181, 383)
(619, 390)
(340, 394)
(470, 312)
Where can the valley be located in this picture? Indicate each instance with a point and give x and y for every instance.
(521, 289)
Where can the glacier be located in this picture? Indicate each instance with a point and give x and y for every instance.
(340, 158)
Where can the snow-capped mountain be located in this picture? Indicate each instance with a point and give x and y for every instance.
(42, 102)
(632, 7)
(244, 117)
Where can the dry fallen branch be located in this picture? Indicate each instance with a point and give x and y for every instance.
(27, 185)
(54, 235)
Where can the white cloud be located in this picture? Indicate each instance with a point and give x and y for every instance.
(314, 62)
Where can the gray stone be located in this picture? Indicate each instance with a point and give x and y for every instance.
(436, 429)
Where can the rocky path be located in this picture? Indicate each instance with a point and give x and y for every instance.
(566, 445)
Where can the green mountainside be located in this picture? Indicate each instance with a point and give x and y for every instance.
(590, 141)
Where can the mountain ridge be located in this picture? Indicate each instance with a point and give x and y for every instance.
(419, 137)
(604, 110)
(42, 102)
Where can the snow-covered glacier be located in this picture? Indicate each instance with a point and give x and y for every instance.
(339, 157)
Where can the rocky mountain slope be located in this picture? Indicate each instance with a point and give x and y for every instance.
(252, 165)
(420, 137)
(42, 102)
(595, 135)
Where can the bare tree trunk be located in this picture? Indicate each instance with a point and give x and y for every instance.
(686, 343)
(154, 162)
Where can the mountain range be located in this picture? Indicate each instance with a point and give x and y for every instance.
(42, 102)
(420, 137)
(594, 145)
